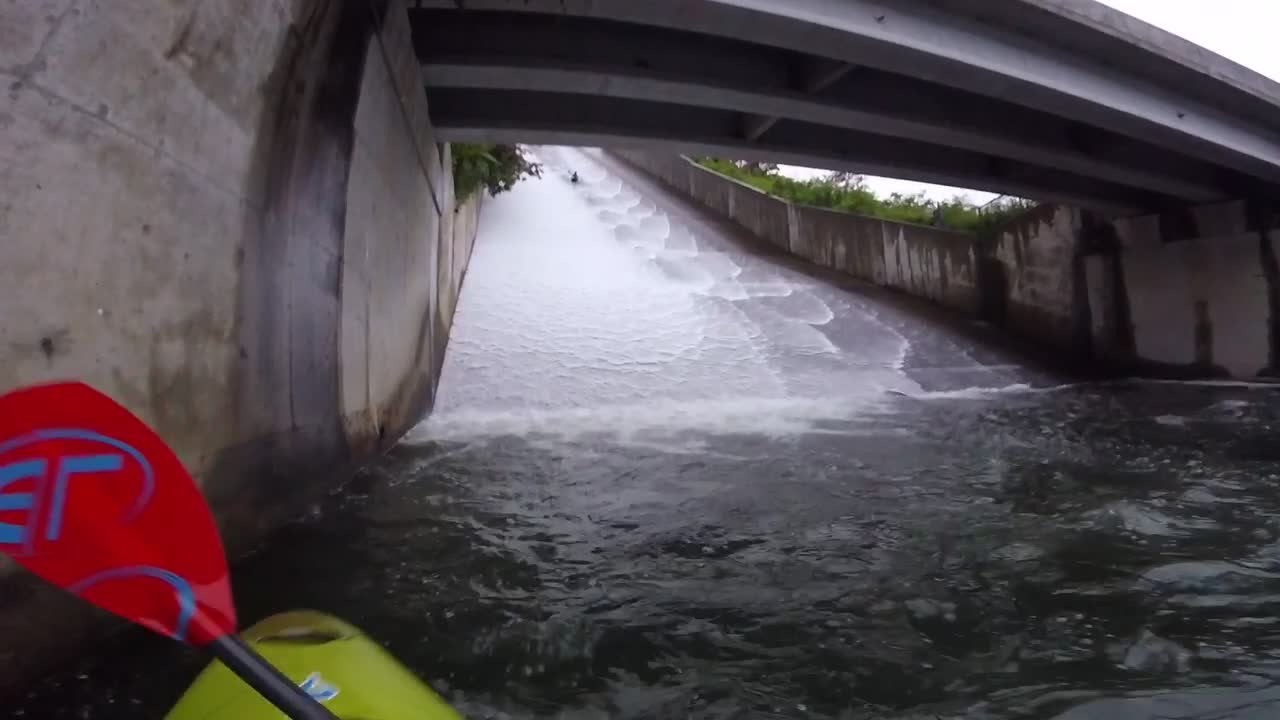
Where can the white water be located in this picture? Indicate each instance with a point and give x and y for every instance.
(587, 308)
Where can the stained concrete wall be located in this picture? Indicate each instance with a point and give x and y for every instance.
(767, 217)
(227, 215)
(931, 263)
(1203, 297)
(1036, 253)
(461, 225)
(928, 262)
(1192, 295)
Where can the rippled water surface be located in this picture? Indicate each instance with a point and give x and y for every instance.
(669, 477)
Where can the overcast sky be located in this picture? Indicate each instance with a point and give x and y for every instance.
(1241, 30)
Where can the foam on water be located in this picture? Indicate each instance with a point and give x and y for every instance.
(1144, 520)
(803, 306)
(631, 422)
(980, 393)
(1247, 384)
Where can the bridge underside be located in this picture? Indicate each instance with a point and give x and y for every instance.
(1032, 102)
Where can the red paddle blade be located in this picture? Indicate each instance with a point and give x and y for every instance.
(93, 501)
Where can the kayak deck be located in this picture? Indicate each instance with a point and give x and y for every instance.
(331, 660)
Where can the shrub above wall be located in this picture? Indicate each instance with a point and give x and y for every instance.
(496, 168)
(847, 192)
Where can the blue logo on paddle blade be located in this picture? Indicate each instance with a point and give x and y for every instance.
(318, 689)
(41, 504)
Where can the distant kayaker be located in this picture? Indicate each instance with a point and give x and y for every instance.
(574, 178)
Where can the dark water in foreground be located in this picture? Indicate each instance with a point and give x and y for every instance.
(817, 507)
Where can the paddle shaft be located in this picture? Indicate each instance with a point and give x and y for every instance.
(272, 684)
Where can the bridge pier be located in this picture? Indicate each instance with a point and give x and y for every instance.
(233, 217)
(1185, 296)
(1201, 296)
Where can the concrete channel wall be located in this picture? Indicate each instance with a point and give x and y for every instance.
(1034, 278)
(1194, 295)
(233, 217)
(1202, 292)
(928, 262)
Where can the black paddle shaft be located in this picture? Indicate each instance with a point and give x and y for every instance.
(267, 680)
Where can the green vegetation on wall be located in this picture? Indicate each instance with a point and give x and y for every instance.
(848, 192)
(496, 168)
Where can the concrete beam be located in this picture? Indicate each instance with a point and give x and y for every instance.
(755, 126)
(514, 51)
(704, 148)
(764, 111)
(823, 73)
(819, 75)
(1091, 29)
(468, 115)
(918, 39)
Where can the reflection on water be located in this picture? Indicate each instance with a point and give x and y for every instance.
(669, 478)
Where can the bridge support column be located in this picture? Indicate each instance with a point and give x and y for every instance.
(1192, 294)
(1201, 291)
(1111, 326)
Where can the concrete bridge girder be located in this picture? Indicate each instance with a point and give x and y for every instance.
(1207, 150)
(518, 116)
(504, 52)
(766, 110)
(658, 142)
